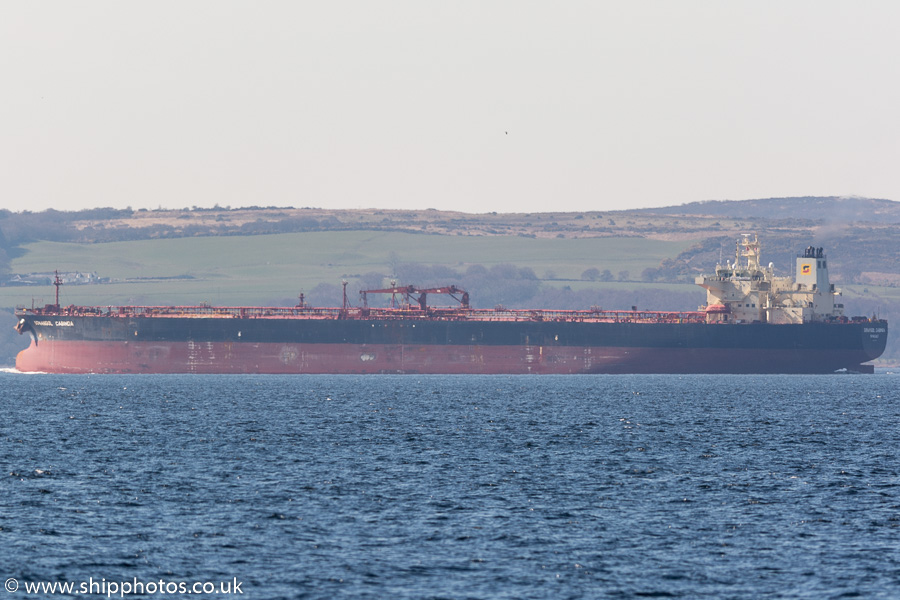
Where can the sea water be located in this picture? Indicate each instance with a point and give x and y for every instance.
(451, 486)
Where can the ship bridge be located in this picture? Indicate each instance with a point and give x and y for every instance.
(745, 291)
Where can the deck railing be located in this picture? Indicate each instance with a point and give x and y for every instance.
(385, 314)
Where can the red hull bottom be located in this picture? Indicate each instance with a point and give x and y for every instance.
(226, 357)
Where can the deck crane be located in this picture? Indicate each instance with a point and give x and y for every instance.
(413, 295)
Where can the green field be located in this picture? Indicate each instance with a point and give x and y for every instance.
(262, 269)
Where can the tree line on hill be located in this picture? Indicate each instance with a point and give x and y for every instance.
(502, 285)
(58, 226)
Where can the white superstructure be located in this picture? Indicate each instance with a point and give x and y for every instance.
(745, 291)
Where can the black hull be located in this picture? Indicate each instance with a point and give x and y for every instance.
(288, 345)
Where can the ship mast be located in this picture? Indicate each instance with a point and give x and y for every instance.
(57, 282)
(747, 248)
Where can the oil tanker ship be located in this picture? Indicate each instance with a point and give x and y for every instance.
(753, 322)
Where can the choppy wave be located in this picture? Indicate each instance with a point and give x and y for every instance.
(440, 486)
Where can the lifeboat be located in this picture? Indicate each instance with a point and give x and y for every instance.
(717, 309)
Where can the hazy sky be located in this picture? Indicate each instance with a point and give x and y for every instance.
(476, 106)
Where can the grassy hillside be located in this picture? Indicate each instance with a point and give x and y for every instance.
(260, 269)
